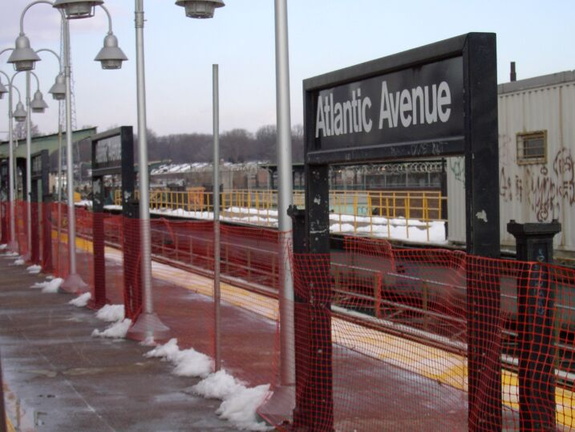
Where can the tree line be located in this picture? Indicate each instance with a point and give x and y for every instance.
(236, 146)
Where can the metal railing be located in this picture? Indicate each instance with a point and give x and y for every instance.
(360, 212)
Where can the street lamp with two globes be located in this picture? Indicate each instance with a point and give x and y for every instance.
(111, 57)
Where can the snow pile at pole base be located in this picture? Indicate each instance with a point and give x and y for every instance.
(239, 403)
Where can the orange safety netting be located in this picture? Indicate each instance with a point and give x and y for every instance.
(385, 338)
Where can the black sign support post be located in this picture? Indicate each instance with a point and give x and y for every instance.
(41, 199)
(432, 101)
(483, 235)
(131, 215)
(112, 154)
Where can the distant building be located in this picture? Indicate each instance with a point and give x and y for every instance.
(51, 143)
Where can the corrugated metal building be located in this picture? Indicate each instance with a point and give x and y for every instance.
(536, 159)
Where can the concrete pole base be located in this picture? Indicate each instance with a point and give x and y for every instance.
(74, 284)
(278, 409)
(148, 327)
(13, 246)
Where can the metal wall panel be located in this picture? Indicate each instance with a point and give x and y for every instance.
(455, 168)
(534, 192)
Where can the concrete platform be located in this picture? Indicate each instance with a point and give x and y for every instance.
(57, 377)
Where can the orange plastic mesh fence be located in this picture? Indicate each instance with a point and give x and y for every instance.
(60, 239)
(4, 222)
(407, 310)
(21, 218)
(385, 338)
(183, 293)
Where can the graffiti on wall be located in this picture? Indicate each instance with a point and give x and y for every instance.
(457, 168)
(545, 188)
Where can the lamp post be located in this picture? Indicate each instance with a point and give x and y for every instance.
(205, 9)
(58, 92)
(19, 115)
(285, 194)
(3, 195)
(12, 244)
(148, 325)
(216, 189)
(22, 57)
(26, 59)
(38, 106)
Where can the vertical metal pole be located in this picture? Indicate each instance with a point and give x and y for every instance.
(148, 324)
(143, 161)
(58, 253)
(28, 167)
(73, 283)
(47, 198)
(216, 200)
(3, 418)
(59, 214)
(285, 191)
(69, 154)
(13, 245)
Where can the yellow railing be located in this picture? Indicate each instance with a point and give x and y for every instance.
(351, 211)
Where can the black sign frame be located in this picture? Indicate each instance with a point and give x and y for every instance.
(476, 137)
(40, 193)
(118, 161)
(112, 154)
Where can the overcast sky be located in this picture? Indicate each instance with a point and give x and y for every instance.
(325, 35)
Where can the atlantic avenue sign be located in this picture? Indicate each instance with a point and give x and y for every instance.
(411, 104)
(419, 104)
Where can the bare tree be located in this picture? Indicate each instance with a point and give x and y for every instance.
(20, 130)
(237, 146)
(297, 143)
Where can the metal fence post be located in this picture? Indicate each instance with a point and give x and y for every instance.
(301, 318)
(535, 302)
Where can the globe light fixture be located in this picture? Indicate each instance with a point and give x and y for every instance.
(111, 56)
(58, 90)
(38, 105)
(77, 9)
(23, 57)
(19, 113)
(200, 8)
